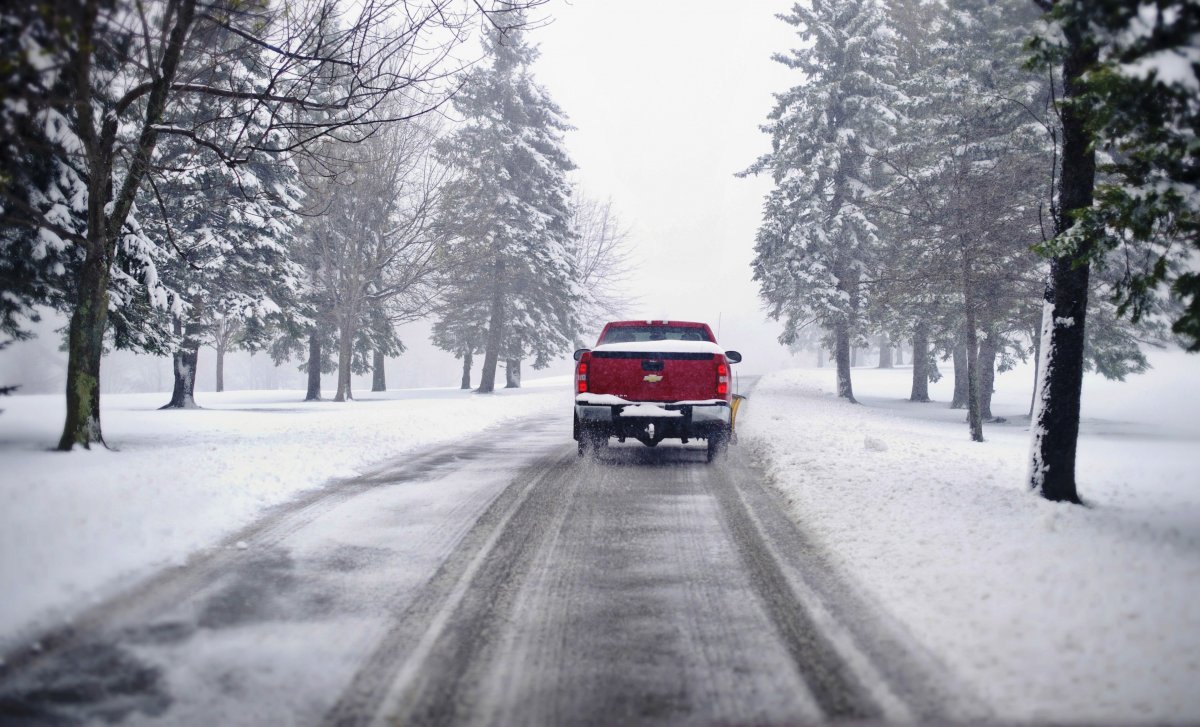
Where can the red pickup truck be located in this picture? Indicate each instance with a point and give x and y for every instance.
(654, 380)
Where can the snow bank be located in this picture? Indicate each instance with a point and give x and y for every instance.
(74, 527)
(1050, 612)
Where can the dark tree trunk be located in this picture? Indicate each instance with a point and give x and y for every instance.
(378, 376)
(512, 373)
(974, 418)
(974, 415)
(183, 394)
(1056, 424)
(220, 368)
(960, 376)
(314, 366)
(85, 344)
(841, 333)
(491, 354)
(345, 356)
(107, 212)
(920, 375)
(971, 339)
(987, 373)
(466, 370)
(885, 352)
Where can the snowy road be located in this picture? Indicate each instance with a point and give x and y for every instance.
(501, 581)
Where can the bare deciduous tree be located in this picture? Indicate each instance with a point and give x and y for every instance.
(94, 86)
(602, 256)
(376, 246)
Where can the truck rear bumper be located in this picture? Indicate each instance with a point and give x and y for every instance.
(676, 421)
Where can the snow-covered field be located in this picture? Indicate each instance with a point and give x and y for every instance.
(76, 527)
(1049, 612)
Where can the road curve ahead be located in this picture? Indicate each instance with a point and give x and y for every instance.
(643, 586)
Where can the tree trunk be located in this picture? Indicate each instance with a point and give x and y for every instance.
(1036, 335)
(512, 373)
(987, 373)
(920, 363)
(820, 357)
(85, 345)
(1056, 421)
(899, 355)
(1056, 417)
(885, 352)
(378, 376)
(845, 388)
(853, 356)
(491, 354)
(466, 370)
(345, 355)
(183, 394)
(960, 376)
(314, 366)
(106, 216)
(971, 339)
(89, 318)
(220, 367)
(974, 418)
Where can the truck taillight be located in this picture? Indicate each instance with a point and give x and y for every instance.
(581, 382)
(722, 379)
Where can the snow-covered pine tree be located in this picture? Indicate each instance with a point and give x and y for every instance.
(228, 227)
(32, 266)
(460, 326)
(508, 210)
(1142, 103)
(818, 237)
(968, 164)
(72, 158)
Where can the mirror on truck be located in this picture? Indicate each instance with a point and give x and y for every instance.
(579, 353)
(731, 356)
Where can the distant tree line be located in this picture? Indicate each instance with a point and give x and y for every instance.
(989, 180)
(276, 176)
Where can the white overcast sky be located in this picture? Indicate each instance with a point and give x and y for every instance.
(667, 97)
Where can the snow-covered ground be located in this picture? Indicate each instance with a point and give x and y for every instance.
(75, 527)
(1049, 612)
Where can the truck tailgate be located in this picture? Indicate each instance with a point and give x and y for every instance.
(653, 376)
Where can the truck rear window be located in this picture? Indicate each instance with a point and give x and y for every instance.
(628, 334)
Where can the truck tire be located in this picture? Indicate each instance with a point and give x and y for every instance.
(718, 445)
(591, 442)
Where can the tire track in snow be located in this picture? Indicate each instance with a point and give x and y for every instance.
(419, 664)
(633, 590)
(171, 585)
(125, 655)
